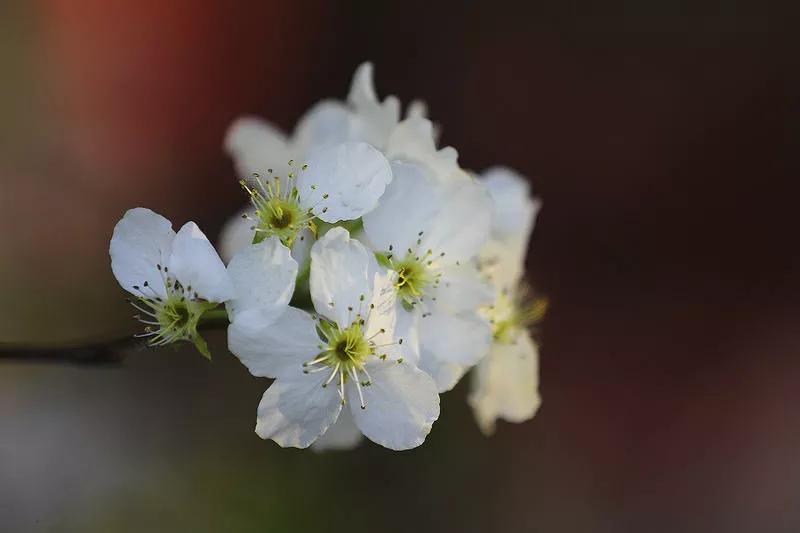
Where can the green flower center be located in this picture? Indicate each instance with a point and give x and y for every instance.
(282, 219)
(172, 318)
(509, 316)
(278, 211)
(347, 348)
(414, 275)
(175, 315)
(344, 354)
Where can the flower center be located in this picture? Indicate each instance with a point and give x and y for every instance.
(174, 314)
(172, 318)
(282, 218)
(344, 353)
(413, 276)
(346, 348)
(508, 316)
(278, 211)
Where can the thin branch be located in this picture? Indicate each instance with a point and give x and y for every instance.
(96, 353)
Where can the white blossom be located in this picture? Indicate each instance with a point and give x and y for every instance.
(259, 148)
(346, 354)
(175, 277)
(428, 232)
(505, 384)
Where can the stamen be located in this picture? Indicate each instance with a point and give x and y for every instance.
(358, 387)
(333, 375)
(314, 370)
(319, 359)
(341, 387)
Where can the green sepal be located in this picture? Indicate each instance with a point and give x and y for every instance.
(208, 315)
(383, 260)
(201, 345)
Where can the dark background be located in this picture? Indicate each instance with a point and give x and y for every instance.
(662, 138)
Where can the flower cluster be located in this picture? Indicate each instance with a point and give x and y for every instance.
(367, 275)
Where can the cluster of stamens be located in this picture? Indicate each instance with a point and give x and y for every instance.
(511, 314)
(169, 319)
(278, 209)
(415, 272)
(344, 352)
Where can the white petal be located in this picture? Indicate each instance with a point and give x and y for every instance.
(195, 263)
(515, 211)
(406, 327)
(295, 411)
(462, 288)
(342, 272)
(414, 139)
(505, 385)
(362, 88)
(373, 120)
(325, 124)
(463, 338)
(255, 146)
(453, 217)
(342, 435)
(502, 263)
(409, 206)
(142, 239)
(445, 374)
(301, 248)
(417, 108)
(276, 349)
(343, 182)
(263, 277)
(384, 325)
(236, 234)
(401, 405)
(462, 226)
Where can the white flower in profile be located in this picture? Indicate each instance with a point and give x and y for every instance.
(505, 384)
(175, 277)
(346, 355)
(428, 232)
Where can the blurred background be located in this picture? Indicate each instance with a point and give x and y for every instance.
(662, 138)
